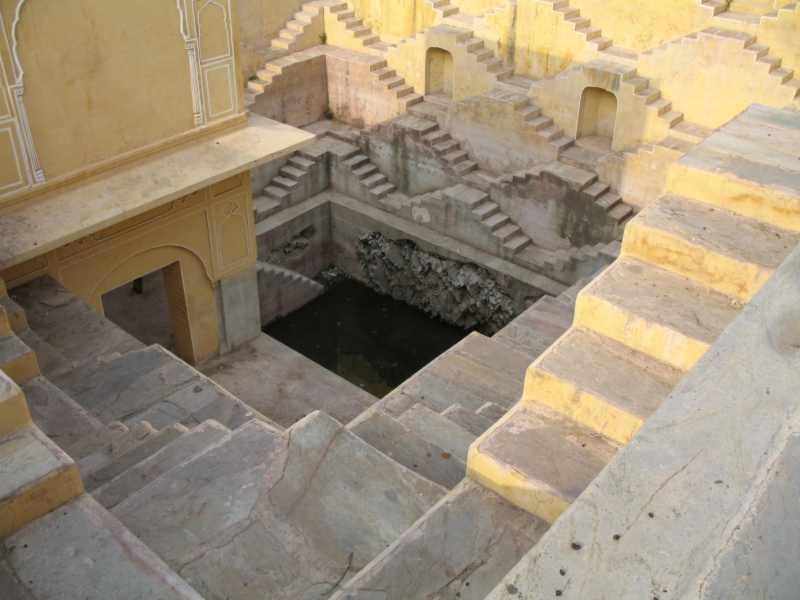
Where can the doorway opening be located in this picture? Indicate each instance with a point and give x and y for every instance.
(439, 74)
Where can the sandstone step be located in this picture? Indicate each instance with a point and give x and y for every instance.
(438, 429)
(730, 253)
(68, 324)
(667, 316)
(81, 552)
(65, 377)
(15, 315)
(410, 449)
(264, 207)
(467, 419)
(307, 507)
(600, 383)
(474, 371)
(539, 459)
(461, 548)
(496, 221)
(538, 327)
(17, 360)
(96, 440)
(491, 411)
(583, 158)
(36, 476)
(94, 479)
(276, 193)
(51, 361)
(118, 446)
(153, 385)
(56, 414)
(151, 468)
(13, 406)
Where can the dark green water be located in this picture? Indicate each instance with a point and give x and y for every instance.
(364, 337)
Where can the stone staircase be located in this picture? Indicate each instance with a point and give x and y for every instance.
(353, 174)
(751, 12)
(359, 35)
(282, 291)
(304, 175)
(685, 271)
(781, 77)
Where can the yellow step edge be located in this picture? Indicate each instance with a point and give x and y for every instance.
(654, 339)
(19, 363)
(13, 406)
(672, 253)
(513, 486)
(742, 197)
(38, 497)
(579, 405)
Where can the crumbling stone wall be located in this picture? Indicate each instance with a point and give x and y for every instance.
(462, 294)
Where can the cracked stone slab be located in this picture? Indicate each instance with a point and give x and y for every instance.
(438, 429)
(118, 446)
(267, 515)
(460, 549)
(80, 552)
(91, 443)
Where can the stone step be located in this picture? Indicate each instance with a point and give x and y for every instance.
(538, 327)
(466, 543)
(118, 446)
(473, 371)
(307, 506)
(56, 414)
(467, 419)
(410, 449)
(496, 221)
(153, 385)
(13, 406)
(600, 383)
(506, 232)
(264, 207)
(36, 476)
(730, 253)
(154, 443)
(667, 316)
(81, 552)
(151, 468)
(70, 325)
(581, 157)
(17, 360)
(51, 362)
(96, 440)
(15, 315)
(301, 163)
(277, 193)
(491, 411)
(292, 173)
(539, 459)
(438, 429)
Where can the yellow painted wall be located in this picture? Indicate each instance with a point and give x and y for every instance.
(478, 7)
(725, 78)
(209, 236)
(644, 25)
(394, 20)
(261, 20)
(89, 81)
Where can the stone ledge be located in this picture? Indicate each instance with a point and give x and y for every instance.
(34, 229)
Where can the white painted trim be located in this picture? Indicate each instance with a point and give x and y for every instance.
(226, 66)
(12, 135)
(38, 175)
(226, 23)
(15, 57)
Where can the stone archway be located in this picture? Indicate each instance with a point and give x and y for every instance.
(438, 72)
(597, 116)
(190, 296)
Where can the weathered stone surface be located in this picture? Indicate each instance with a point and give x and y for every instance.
(467, 419)
(153, 385)
(56, 414)
(289, 515)
(538, 327)
(459, 293)
(285, 385)
(460, 549)
(408, 448)
(69, 324)
(491, 411)
(117, 447)
(152, 467)
(92, 442)
(438, 429)
(80, 552)
(94, 479)
(702, 496)
(237, 309)
(49, 359)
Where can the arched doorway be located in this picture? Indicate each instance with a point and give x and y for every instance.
(438, 73)
(598, 115)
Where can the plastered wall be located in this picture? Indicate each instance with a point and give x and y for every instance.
(90, 81)
(203, 238)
